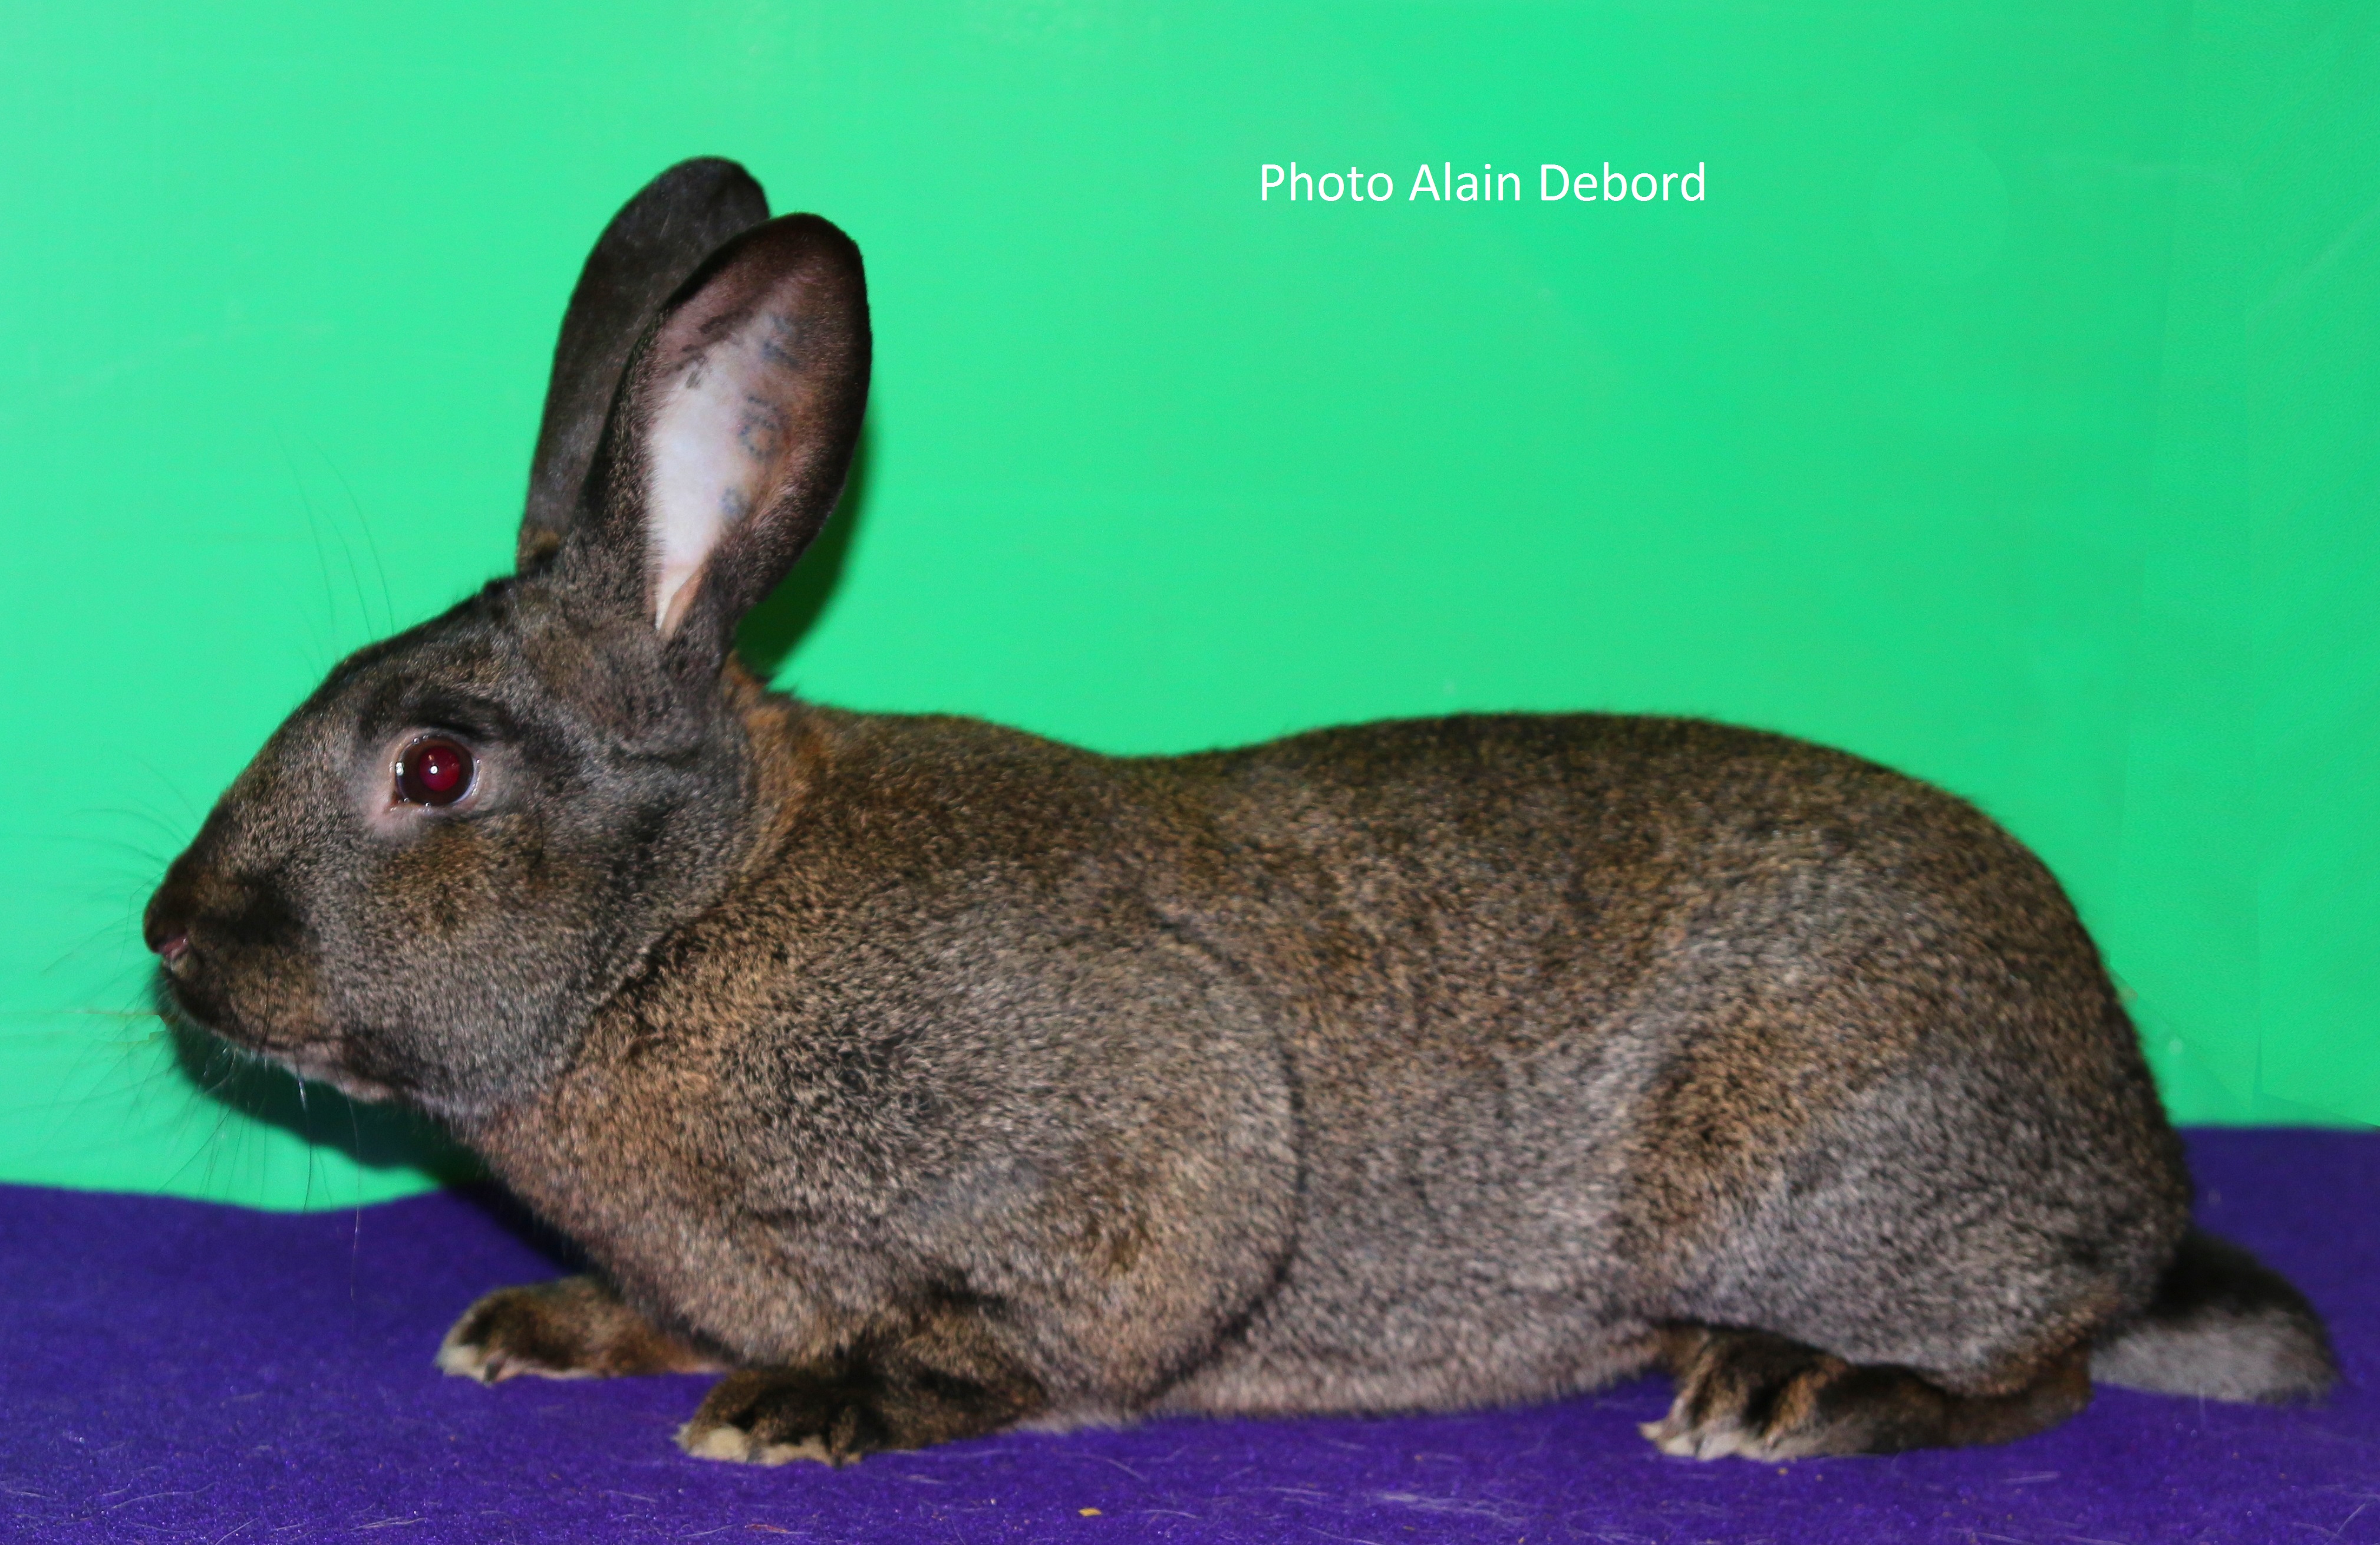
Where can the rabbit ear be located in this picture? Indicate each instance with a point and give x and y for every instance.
(659, 237)
(732, 434)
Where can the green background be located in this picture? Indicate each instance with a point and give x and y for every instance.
(2009, 412)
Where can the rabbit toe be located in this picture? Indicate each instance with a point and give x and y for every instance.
(503, 1335)
(1754, 1395)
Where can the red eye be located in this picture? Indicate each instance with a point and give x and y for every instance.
(433, 772)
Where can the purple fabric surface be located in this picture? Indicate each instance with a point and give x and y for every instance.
(171, 1370)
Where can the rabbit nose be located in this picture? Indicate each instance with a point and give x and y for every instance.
(166, 927)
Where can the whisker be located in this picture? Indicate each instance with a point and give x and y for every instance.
(146, 854)
(356, 1243)
(321, 557)
(363, 523)
(306, 1121)
(170, 787)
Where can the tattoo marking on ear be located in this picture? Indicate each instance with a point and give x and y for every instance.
(762, 434)
(786, 334)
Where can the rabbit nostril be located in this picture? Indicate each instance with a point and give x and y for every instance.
(165, 923)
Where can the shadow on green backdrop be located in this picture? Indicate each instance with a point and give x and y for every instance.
(2008, 411)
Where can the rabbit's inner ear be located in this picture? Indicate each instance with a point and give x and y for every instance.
(737, 428)
(719, 443)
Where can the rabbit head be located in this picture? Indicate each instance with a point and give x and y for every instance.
(471, 833)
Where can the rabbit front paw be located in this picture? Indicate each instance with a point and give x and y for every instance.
(837, 1414)
(575, 1328)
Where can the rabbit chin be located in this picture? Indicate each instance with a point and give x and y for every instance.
(319, 1063)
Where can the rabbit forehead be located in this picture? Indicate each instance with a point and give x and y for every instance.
(474, 669)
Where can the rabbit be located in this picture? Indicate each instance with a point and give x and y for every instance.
(923, 1077)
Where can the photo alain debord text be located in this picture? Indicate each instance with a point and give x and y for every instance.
(1485, 185)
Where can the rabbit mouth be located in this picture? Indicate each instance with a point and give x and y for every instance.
(318, 1062)
(321, 1059)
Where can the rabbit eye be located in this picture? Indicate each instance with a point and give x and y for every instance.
(433, 772)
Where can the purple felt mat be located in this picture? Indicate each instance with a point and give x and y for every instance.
(171, 1370)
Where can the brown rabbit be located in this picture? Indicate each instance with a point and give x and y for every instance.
(928, 1077)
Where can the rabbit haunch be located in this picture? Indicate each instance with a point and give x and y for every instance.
(930, 1077)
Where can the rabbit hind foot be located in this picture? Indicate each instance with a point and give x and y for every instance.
(1764, 1397)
